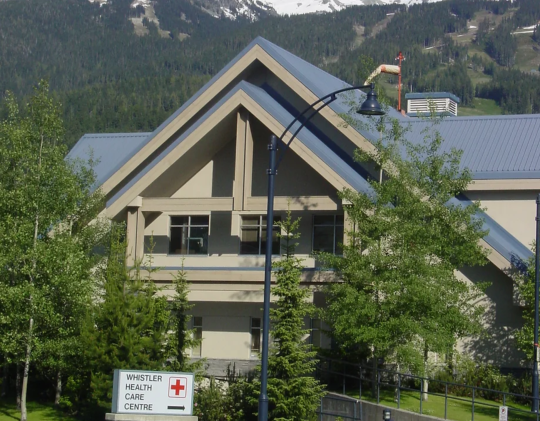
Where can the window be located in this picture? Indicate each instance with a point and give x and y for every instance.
(256, 330)
(328, 233)
(196, 351)
(253, 235)
(189, 234)
(315, 334)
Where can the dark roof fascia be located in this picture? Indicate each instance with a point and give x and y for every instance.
(431, 95)
(506, 175)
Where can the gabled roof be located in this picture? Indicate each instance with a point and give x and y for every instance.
(517, 137)
(494, 147)
(261, 97)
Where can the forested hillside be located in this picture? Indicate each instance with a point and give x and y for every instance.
(110, 79)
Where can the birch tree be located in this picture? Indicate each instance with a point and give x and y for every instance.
(401, 297)
(39, 192)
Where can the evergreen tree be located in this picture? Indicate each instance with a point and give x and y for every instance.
(181, 338)
(129, 328)
(294, 393)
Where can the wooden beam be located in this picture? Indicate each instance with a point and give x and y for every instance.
(248, 163)
(169, 204)
(131, 235)
(313, 203)
(239, 160)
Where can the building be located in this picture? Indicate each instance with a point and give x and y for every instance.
(197, 186)
(426, 103)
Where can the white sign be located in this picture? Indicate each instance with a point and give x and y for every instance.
(152, 392)
(503, 413)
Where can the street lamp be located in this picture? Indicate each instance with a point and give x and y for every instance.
(370, 107)
(536, 355)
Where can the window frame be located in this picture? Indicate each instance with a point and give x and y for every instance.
(188, 226)
(260, 228)
(252, 353)
(334, 225)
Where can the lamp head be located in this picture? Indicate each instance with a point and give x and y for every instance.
(371, 106)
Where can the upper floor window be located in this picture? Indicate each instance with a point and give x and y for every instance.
(256, 329)
(253, 235)
(189, 234)
(328, 233)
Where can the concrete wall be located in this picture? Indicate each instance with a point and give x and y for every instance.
(501, 320)
(515, 211)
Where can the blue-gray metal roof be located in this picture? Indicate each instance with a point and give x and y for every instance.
(429, 95)
(494, 147)
(109, 151)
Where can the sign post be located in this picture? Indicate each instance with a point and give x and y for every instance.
(503, 413)
(152, 393)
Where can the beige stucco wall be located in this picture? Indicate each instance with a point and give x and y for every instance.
(515, 211)
(501, 320)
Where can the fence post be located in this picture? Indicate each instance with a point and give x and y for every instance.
(399, 389)
(321, 411)
(445, 400)
(422, 393)
(472, 419)
(343, 374)
(378, 385)
(504, 399)
(360, 382)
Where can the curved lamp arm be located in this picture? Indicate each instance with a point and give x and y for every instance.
(332, 96)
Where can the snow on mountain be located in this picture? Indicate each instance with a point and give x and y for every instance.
(297, 7)
(253, 9)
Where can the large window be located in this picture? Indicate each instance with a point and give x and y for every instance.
(196, 351)
(328, 233)
(189, 235)
(256, 330)
(253, 235)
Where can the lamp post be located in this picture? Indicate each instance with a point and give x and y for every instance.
(370, 107)
(536, 357)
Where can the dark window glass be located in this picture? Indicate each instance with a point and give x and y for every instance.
(253, 235)
(328, 233)
(189, 235)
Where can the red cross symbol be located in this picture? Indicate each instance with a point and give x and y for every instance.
(177, 387)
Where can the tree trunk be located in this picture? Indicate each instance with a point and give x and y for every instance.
(26, 370)
(374, 377)
(58, 388)
(18, 386)
(5, 379)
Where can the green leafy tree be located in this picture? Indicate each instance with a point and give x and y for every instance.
(40, 194)
(293, 392)
(524, 276)
(129, 328)
(400, 297)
